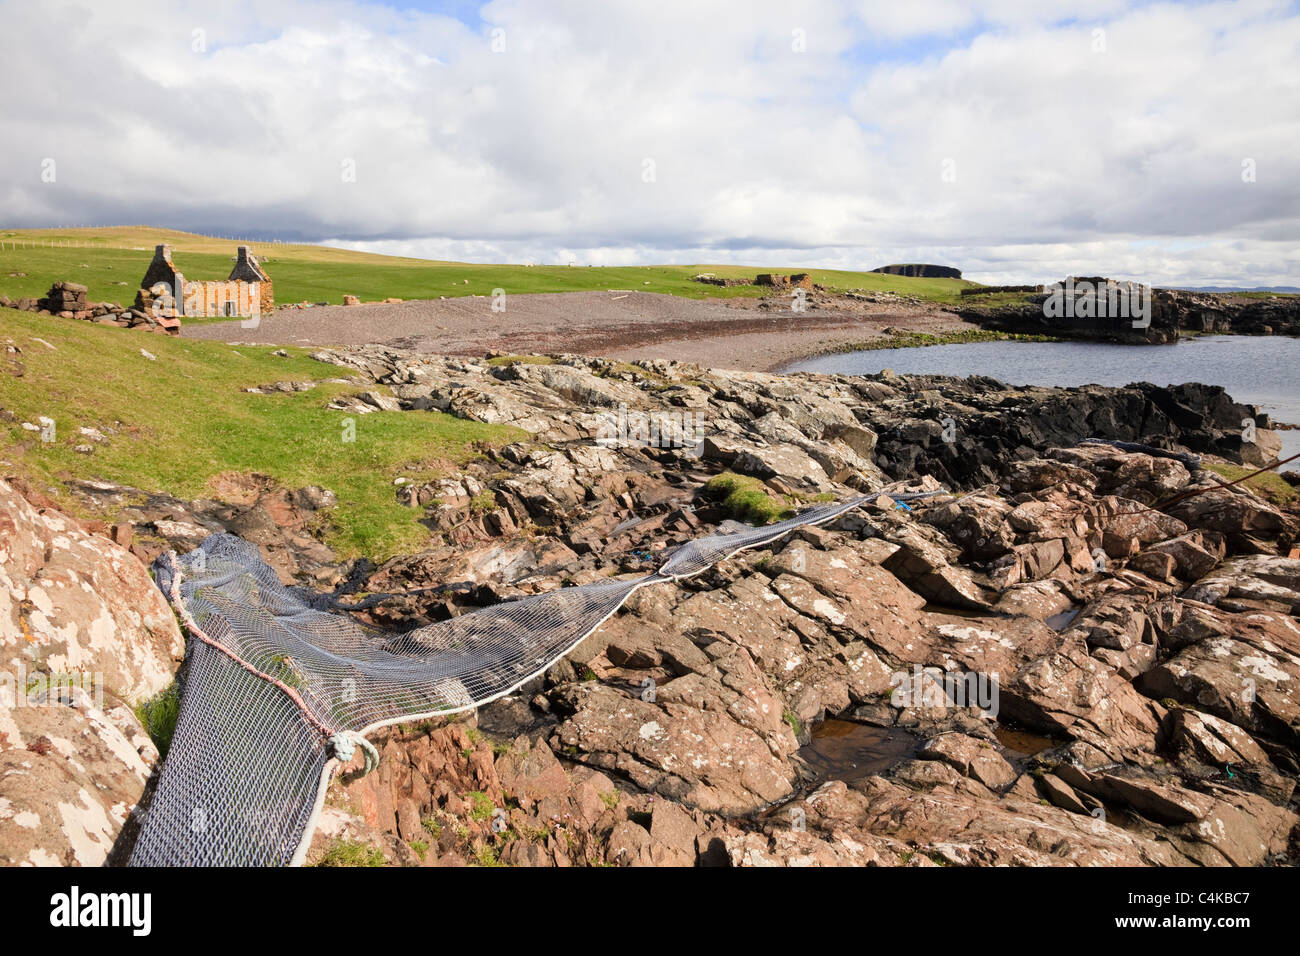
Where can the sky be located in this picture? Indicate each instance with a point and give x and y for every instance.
(1017, 140)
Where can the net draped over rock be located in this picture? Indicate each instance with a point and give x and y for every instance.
(278, 675)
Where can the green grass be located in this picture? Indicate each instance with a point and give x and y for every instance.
(159, 714)
(746, 499)
(176, 423)
(521, 360)
(1269, 485)
(792, 719)
(480, 805)
(996, 300)
(487, 856)
(351, 853)
(112, 256)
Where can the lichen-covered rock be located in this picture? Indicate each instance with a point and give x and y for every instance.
(717, 743)
(1248, 676)
(970, 757)
(1252, 582)
(84, 634)
(70, 776)
(76, 603)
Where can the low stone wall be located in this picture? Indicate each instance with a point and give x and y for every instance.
(799, 280)
(68, 300)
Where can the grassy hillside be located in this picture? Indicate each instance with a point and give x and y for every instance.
(176, 422)
(112, 261)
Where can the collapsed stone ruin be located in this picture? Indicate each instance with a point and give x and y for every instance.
(68, 300)
(164, 296)
(165, 291)
(800, 280)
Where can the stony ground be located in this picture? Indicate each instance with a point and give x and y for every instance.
(753, 334)
(1139, 618)
(1168, 700)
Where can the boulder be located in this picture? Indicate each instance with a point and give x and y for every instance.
(71, 773)
(85, 635)
(923, 566)
(1253, 582)
(76, 603)
(970, 757)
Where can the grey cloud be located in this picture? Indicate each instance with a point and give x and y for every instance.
(1065, 157)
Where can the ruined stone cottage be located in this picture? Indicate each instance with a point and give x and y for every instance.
(165, 291)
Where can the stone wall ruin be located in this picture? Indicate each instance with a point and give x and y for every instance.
(164, 290)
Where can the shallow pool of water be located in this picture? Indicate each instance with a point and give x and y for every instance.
(1059, 622)
(846, 750)
(1022, 743)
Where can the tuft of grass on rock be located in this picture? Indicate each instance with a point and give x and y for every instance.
(483, 502)
(352, 853)
(480, 805)
(746, 499)
(487, 856)
(159, 715)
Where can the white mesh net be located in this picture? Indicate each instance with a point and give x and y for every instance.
(271, 677)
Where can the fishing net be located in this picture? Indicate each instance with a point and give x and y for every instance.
(278, 690)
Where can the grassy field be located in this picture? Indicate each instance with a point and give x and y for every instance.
(995, 300)
(176, 422)
(111, 263)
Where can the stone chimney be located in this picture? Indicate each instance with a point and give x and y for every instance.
(247, 267)
(161, 269)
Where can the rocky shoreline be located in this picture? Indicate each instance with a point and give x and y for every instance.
(1172, 312)
(752, 334)
(1138, 620)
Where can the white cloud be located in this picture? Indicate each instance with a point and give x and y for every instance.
(1066, 157)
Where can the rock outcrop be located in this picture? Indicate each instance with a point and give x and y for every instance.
(1164, 702)
(921, 271)
(1171, 311)
(85, 635)
(1081, 655)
